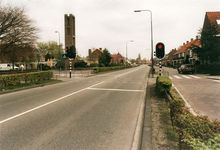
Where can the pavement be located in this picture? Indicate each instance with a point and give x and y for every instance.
(147, 120)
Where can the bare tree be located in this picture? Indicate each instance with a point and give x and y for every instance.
(18, 34)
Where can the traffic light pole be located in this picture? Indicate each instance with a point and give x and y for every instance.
(70, 67)
(160, 68)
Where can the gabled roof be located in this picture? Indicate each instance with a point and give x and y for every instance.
(213, 16)
(100, 50)
(193, 43)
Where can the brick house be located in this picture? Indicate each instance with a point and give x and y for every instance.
(167, 60)
(93, 57)
(186, 51)
(117, 59)
(211, 18)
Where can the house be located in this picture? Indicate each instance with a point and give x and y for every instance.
(211, 18)
(117, 59)
(167, 60)
(185, 53)
(211, 23)
(93, 57)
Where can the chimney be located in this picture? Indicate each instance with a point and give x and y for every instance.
(100, 48)
(187, 42)
(183, 44)
(191, 39)
(197, 37)
(90, 51)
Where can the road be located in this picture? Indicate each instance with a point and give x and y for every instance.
(202, 94)
(99, 112)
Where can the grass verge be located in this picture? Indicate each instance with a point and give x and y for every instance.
(163, 135)
(22, 85)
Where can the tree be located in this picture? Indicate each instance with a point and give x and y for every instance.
(105, 57)
(50, 47)
(132, 61)
(17, 34)
(187, 60)
(210, 44)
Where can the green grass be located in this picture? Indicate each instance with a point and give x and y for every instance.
(22, 85)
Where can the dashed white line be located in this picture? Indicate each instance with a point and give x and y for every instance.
(185, 76)
(194, 76)
(123, 90)
(217, 81)
(177, 77)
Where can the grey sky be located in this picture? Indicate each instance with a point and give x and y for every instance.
(110, 23)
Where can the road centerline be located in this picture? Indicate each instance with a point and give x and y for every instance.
(38, 107)
(122, 90)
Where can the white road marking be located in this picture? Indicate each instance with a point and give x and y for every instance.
(170, 77)
(177, 77)
(187, 104)
(128, 72)
(123, 90)
(194, 76)
(23, 113)
(216, 80)
(185, 76)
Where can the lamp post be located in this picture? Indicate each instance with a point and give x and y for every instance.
(127, 49)
(151, 40)
(59, 50)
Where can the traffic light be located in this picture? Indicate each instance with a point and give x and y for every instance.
(68, 52)
(160, 48)
(73, 52)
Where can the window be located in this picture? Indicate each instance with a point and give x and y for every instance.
(190, 53)
(218, 21)
(182, 54)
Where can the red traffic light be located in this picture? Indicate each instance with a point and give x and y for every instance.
(160, 46)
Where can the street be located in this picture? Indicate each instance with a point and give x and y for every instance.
(200, 91)
(98, 112)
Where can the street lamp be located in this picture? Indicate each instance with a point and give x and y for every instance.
(127, 50)
(59, 51)
(151, 40)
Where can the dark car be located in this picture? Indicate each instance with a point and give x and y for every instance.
(186, 68)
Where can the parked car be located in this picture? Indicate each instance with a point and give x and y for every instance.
(186, 68)
(7, 66)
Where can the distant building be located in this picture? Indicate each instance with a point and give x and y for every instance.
(167, 60)
(186, 52)
(117, 59)
(93, 57)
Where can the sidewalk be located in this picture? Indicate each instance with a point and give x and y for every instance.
(75, 74)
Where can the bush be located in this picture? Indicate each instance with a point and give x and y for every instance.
(214, 68)
(80, 64)
(101, 65)
(163, 83)
(196, 132)
(14, 79)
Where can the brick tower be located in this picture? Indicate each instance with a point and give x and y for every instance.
(70, 38)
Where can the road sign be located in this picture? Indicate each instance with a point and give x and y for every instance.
(64, 56)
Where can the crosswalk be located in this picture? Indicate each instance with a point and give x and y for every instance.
(184, 77)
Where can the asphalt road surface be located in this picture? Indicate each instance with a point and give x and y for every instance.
(94, 113)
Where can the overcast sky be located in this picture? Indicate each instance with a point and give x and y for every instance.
(111, 23)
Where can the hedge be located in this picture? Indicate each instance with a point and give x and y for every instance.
(14, 79)
(195, 132)
(163, 83)
(104, 69)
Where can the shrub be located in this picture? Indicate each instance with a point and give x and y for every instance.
(198, 132)
(163, 83)
(80, 64)
(214, 68)
(14, 79)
